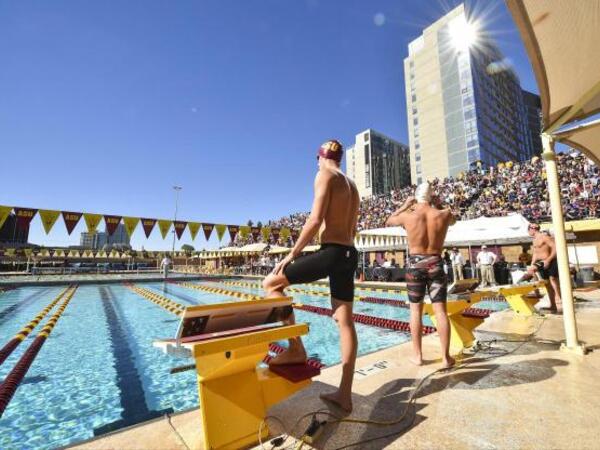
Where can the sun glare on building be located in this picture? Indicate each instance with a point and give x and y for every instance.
(462, 33)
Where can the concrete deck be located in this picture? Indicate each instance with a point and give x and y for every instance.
(513, 395)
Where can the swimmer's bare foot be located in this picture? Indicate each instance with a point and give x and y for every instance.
(341, 401)
(295, 356)
(448, 362)
(416, 360)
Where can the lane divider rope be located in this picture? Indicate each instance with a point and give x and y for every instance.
(157, 299)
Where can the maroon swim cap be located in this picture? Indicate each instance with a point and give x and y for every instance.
(331, 150)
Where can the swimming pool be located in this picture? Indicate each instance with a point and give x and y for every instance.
(98, 370)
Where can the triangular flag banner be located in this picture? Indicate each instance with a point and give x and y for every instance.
(255, 233)
(59, 253)
(71, 220)
(49, 218)
(74, 254)
(130, 224)
(9, 251)
(266, 232)
(179, 228)
(220, 230)
(92, 221)
(148, 226)
(233, 231)
(111, 222)
(275, 232)
(163, 226)
(285, 234)
(244, 231)
(4, 213)
(27, 252)
(194, 227)
(207, 228)
(24, 217)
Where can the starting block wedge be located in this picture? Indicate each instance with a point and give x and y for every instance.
(228, 341)
(522, 299)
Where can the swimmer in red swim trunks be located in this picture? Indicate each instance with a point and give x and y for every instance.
(426, 228)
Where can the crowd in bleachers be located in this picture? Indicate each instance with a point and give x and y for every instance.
(509, 187)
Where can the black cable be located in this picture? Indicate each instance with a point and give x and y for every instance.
(168, 416)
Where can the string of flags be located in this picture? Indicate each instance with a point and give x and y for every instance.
(49, 217)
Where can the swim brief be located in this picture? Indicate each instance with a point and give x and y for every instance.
(426, 272)
(551, 271)
(336, 261)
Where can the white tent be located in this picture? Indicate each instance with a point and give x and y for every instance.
(511, 229)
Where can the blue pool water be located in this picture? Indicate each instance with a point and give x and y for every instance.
(98, 370)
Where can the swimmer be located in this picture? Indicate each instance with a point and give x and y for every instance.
(426, 227)
(544, 261)
(334, 215)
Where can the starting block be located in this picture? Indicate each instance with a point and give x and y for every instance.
(522, 299)
(462, 322)
(227, 342)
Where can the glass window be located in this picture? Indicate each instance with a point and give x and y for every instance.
(368, 179)
(367, 156)
(414, 98)
(469, 113)
(416, 121)
(366, 137)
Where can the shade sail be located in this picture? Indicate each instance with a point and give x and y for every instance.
(561, 38)
(586, 139)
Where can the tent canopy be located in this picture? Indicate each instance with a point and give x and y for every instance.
(511, 229)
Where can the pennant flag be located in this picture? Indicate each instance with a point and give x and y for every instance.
(179, 228)
(92, 221)
(266, 232)
(28, 252)
(4, 213)
(59, 253)
(101, 254)
(49, 218)
(44, 253)
(207, 228)
(194, 227)
(74, 254)
(148, 226)
(130, 224)
(163, 226)
(150, 254)
(88, 254)
(255, 233)
(114, 254)
(233, 231)
(220, 230)
(9, 251)
(244, 231)
(112, 222)
(285, 234)
(71, 220)
(275, 232)
(51, 252)
(24, 217)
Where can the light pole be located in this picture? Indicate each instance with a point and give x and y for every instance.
(176, 189)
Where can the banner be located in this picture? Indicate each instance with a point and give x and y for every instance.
(163, 226)
(130, 224)
(244, 231)
(59, 253)
(233, 231)
(92, 221)
(28, 252)
(275, 232)
(194, 227)
(24, 217)
(112, 222)
(148, 226)
(207, 228)
(10, 251)
(220, 230)
(49, 218)
(255, 233)
(179, 228)
(266, 233)
(101, 254)
(71, 220)
(74, 254)
(4, 213)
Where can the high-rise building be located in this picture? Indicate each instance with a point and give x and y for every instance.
(377, 164)
(464, 102)
(99, 239)
(533, 109)
(10, 233)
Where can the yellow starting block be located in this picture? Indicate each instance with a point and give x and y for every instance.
(522, 299)
(462, 323)
(227, 342)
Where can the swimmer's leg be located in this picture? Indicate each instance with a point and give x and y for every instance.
(416, 311)
(443, 329)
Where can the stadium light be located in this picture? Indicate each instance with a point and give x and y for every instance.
(462, 33)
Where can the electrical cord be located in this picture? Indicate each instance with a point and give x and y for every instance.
(482, 346)
(168, 416)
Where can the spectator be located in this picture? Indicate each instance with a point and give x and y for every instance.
(486, 260)
(458, 262)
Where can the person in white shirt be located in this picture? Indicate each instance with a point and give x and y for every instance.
(486, 262)
(457, 264)
(165, 264)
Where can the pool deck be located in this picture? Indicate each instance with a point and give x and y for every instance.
(516, 395)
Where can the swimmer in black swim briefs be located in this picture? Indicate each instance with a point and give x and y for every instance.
(336, 261)
(550, 271)
(426, 272)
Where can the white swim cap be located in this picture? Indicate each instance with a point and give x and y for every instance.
(423, 193)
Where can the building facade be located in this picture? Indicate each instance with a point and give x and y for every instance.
(11, 234)
(377, 163)
(464, 102)
(98, 240)
(533, 109)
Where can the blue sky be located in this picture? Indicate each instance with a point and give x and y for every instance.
(106, 105)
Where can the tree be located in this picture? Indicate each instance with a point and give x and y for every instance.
(259, 224)
(250, 223)
(187, 248)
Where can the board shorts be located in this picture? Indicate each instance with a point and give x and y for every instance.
(426, 273)
(551, 271)
(336, 261)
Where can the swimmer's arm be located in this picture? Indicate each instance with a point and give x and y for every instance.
(397, 217)
(317, 214)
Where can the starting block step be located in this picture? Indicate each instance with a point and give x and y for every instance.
(295, 372)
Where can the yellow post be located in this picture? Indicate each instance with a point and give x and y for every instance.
(549, 156)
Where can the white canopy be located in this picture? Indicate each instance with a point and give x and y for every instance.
(511, 229)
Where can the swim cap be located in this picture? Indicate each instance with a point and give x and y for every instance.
(331, 150)
(423, 193)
